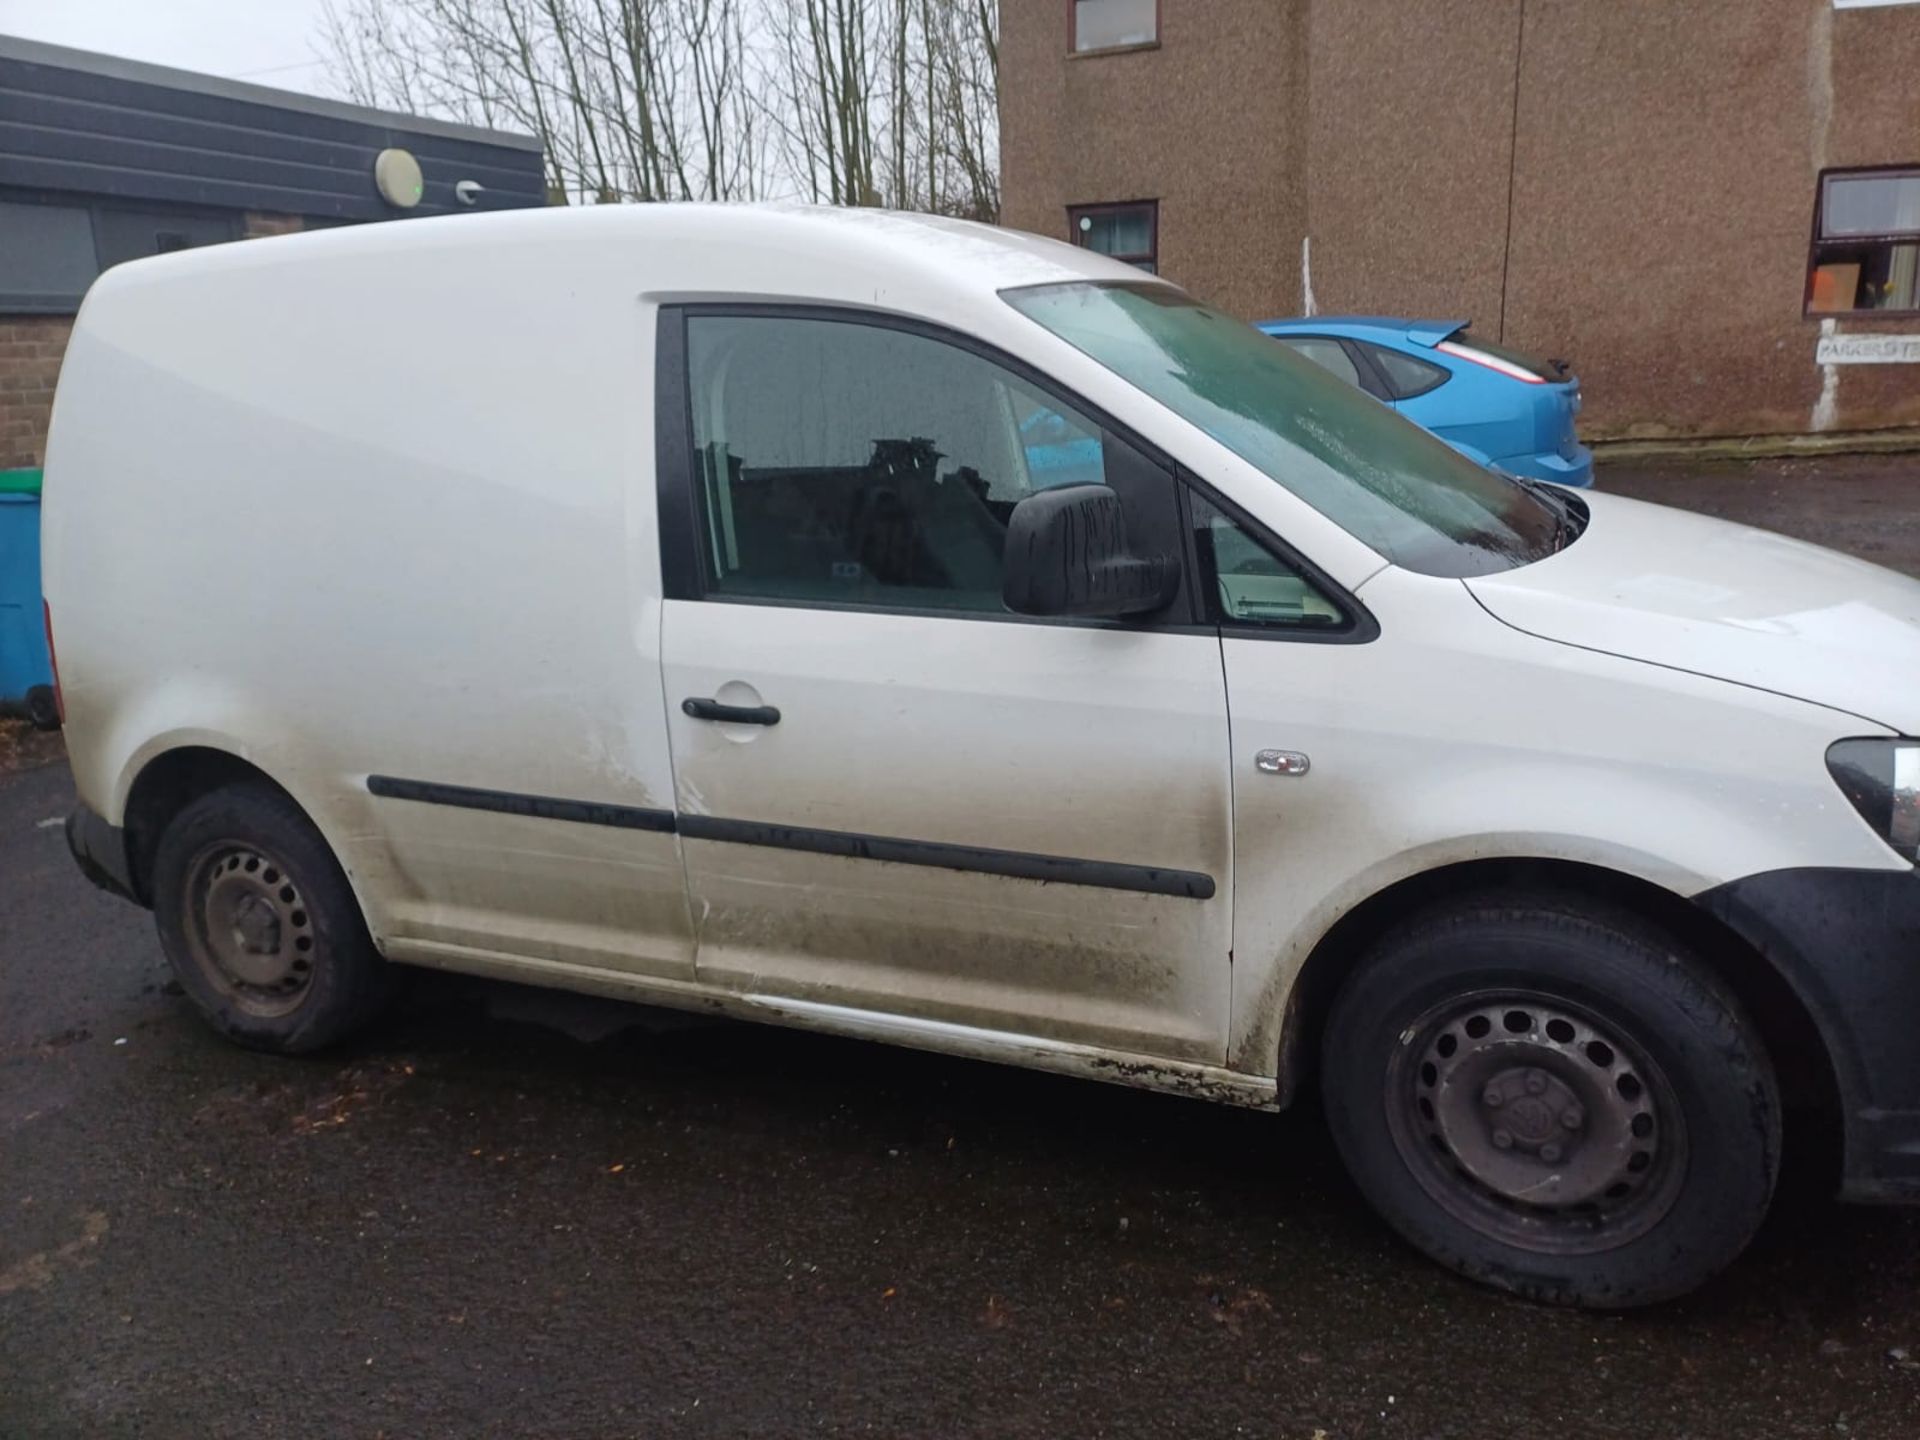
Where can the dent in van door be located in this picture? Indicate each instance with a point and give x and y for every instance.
(962, 816)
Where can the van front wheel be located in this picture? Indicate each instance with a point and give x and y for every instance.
(1553, 1099)
(260, 926)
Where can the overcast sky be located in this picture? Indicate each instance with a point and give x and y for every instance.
(270, 42)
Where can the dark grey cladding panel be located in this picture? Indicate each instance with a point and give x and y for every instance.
(99, 126)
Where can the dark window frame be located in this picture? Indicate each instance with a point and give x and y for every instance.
(1074, 52)
(1391, 391)
(684, 532)
(1365, 376)
(1816, 241)
(1151, 255)
(1357, 625)
(51, 302)
(683, 501)
(95, 206)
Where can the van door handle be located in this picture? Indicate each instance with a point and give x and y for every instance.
(701, 709)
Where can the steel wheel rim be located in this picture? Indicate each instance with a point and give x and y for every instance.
(1537, 1121)
(249, 929)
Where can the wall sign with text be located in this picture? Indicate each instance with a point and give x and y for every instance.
(1868, 350)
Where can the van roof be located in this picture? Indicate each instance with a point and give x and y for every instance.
(825, 252)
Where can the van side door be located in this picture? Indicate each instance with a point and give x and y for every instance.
(896, 799)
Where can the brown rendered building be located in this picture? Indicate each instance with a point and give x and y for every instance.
(1647, 187)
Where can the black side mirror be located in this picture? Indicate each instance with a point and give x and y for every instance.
(1067, 555)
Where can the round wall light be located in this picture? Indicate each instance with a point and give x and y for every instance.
(396, 175)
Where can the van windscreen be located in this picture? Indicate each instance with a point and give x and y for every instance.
(1411, 498)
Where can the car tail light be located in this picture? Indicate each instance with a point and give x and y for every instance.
(53, 660)
(1492, 362)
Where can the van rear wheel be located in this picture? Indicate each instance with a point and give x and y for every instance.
(260, 926)
(1553, 1099)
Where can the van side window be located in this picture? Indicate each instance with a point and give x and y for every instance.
(854, 463)
(1248, 584)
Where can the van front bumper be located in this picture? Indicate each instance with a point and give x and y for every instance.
(100, 850)
(1848, 942)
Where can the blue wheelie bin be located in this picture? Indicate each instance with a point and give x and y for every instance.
(26, 671)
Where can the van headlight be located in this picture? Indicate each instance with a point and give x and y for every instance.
(1882, 779)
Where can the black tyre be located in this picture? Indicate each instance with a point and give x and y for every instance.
(43, 708)
(1553, 1099)
(260, 926)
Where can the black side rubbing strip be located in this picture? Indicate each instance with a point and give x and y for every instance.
(1016, 864)
(1019, 864)
(542, 807)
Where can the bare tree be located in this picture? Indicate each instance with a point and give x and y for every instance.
(963, 98)
(714, 32)
(853, 102)
(637, 86)
(824, 79)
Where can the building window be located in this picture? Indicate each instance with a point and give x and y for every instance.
(47, 255)
(1113, 24)
(1129, 232)
(1866, 243)
(133, 234)
(50, 252)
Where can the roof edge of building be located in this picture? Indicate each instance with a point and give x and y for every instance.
(63, 57)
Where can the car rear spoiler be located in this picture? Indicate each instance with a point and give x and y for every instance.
(1432, 332)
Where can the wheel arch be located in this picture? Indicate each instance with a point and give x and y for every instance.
(167, 783)
(1801, 1051)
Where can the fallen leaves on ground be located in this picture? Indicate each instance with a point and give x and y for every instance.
(360, 1086)
(37, 1270)
(22, 747)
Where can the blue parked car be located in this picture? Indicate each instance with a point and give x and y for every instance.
(1492, 404)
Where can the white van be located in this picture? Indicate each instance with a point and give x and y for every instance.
(913, 630)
